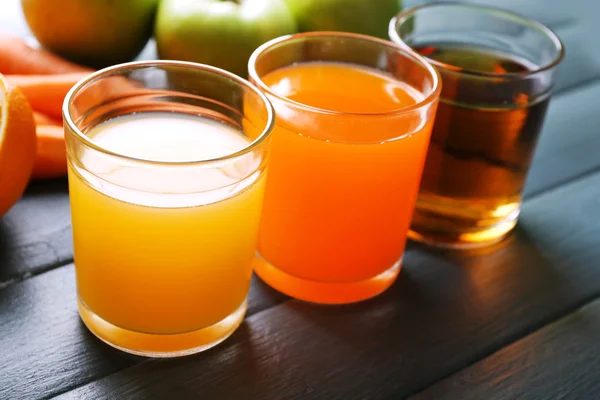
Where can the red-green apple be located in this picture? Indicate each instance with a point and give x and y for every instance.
(92, 32)
(222, 33)
(369, 17)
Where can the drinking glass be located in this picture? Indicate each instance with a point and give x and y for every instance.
(498, 70)
(343, 176)
(164, 241)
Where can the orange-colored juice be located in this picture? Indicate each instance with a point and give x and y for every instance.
(164, 255)
(343, 179)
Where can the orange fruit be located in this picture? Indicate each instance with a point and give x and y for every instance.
(17, 144)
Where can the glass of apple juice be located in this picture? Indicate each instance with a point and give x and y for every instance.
(167, 164)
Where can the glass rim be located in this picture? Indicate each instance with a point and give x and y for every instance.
(116, 70)
(430, 98)
(530, 22)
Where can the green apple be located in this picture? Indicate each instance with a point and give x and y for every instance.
(222, 33)
(97, 33)
(369, 17)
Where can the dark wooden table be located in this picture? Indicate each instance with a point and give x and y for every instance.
(517, 321)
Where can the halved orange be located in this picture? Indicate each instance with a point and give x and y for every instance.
(17, 144)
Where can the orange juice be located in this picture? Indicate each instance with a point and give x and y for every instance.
(343, 179)
(163, 255)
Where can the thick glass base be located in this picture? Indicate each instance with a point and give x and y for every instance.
(325, 292)
(162, 345)
(441, 231)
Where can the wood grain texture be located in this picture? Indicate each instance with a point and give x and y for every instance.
(446, 311)
(560, 361)
(43, 344)
(581, 65)
(556, 14)
(44, 347)
(568, 146)
(35, 235)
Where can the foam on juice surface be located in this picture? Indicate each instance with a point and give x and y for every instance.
(167, 137)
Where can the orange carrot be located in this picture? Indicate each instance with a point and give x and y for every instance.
(43, 119)
(51, 155)
(17, 57)
(46, 93)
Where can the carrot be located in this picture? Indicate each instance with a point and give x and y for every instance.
(17, 57)
(43, 119)
(51, 155)
(46, 93)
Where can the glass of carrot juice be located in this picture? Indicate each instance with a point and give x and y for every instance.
(166, 177)
(354, 117)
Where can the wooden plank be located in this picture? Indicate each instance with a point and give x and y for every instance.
(558, 362)
(43, 343)
(581, 65)
(568, 146)
(45, 347)
(556, 14)
(35, 235)
(447, 311)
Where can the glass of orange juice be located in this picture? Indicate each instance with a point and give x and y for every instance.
(354, 117)
(167, 164)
